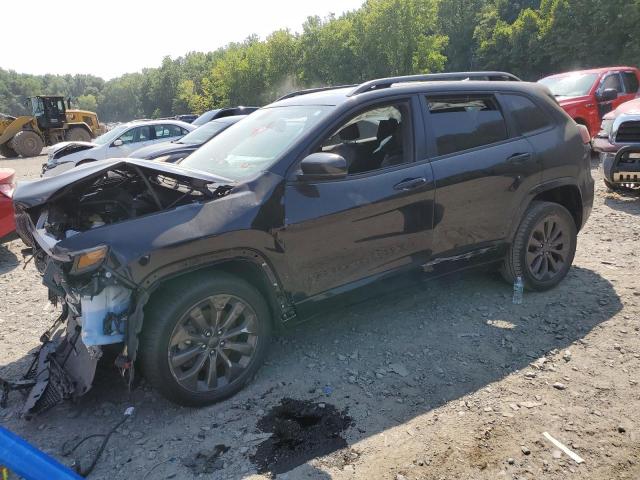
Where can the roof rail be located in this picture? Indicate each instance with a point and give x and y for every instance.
(312, 90)
(433, 77)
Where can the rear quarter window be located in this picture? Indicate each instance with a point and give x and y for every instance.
(527, 116)
(465, 122)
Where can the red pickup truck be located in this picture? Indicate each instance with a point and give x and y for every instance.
(587, 95)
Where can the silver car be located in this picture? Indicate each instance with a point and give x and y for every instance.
(119, 142)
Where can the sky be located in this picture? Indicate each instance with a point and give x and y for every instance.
(113, 37)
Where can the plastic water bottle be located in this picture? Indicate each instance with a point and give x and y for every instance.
(518, 290)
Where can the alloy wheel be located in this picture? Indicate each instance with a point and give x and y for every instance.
(548, 248)
(213, 343)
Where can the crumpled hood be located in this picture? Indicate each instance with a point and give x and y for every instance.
(58, 147)
(29, 194)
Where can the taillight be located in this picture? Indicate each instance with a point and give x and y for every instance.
(584, 133)
(7, 189)
(7, 185)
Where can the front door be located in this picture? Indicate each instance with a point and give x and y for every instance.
(375, 221)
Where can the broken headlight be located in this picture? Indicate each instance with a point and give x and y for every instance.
(88, 260)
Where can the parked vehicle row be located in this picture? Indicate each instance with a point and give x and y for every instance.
(190, 267)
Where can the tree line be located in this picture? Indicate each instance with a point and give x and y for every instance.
(530, 38)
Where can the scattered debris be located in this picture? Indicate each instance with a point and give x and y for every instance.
(302, 430)
(574, 456)
(621, 429)
(399, 369)
(206, 461)
(559, 386)
(526, 450)
(566, 356)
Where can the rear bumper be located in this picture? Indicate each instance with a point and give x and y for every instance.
(622, 167)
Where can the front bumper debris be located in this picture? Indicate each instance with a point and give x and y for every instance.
(62, 369)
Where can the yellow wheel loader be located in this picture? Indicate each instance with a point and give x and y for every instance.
(51, 122)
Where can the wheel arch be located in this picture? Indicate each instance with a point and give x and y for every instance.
(248, 265)
(82, 125)
(564, 192)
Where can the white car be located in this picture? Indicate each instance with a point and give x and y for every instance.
(119, 142)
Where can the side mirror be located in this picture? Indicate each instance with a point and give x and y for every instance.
(117, 143)
(323, 166)
(608, 94)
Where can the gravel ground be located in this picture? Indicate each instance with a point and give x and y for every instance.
(447, 379)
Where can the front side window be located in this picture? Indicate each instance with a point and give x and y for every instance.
(376, 138)
(138, 134)
(527, 116)
(257, 142)
(630, 81)
(465, 122)
(611, 81)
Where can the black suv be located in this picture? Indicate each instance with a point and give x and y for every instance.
(192, 267)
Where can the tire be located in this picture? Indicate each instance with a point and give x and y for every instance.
(532, 249)
(77, 134)
(7, 152)
(27, 143)
(179, 324)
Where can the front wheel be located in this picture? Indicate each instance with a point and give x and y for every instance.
(204, 338)
(543, 248)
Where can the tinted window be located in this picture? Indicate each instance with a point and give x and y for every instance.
(612, 81)
(464, 122)
(527, 116)
(630, 82)
(376, 138)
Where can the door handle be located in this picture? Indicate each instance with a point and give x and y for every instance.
(518, 158)
(410, 183)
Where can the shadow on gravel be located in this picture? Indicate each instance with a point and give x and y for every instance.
(380, 362)
(8, 260)
(628, 202)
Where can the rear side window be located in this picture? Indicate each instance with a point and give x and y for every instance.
(464, 122)
(630, 82)
(527, 116)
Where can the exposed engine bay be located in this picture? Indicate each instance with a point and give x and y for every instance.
(117, 196)
(84, 275)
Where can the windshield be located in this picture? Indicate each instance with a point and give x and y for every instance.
(204, 133)
(574, 85)
(254, 144)
(111, 135)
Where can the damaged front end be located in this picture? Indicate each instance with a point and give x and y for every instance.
(68, 224)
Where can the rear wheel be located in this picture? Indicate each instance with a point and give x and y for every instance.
(543, 248)
(27, 143)
(77, 134)
(7, 152)
(204, 338)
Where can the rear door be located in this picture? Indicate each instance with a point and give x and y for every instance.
(375, 221)
(631, 85)
(482, 169)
